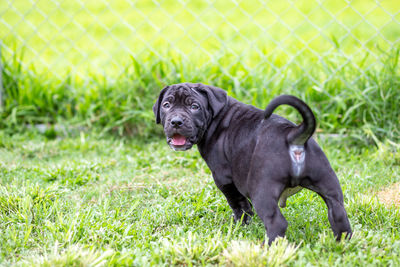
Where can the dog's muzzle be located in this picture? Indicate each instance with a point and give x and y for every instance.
(179, 134)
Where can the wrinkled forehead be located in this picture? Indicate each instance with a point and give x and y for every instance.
(183, 93)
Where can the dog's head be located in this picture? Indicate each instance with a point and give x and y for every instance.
(185, 110)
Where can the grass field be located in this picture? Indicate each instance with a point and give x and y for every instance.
(84, 200)
(100, 187)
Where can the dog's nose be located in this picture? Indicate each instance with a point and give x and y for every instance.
(176, 122)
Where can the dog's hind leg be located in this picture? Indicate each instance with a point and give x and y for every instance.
(327, 186)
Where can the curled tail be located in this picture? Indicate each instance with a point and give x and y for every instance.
(301, 133)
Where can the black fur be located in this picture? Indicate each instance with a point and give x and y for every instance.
(253, 154)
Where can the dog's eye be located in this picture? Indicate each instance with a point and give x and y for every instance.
(166, 105)
(194, 106)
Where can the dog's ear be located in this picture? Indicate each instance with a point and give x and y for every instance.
(217, 98)
(156, 106)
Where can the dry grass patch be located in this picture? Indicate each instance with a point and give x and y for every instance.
(390, 195)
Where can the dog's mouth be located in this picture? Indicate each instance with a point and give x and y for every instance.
(179, 142)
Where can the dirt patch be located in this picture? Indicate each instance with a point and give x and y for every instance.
(390, 195)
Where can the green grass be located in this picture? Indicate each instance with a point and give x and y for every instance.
(362, 104)
(80, 199)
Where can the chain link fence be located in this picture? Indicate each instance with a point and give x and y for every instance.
(99, 36)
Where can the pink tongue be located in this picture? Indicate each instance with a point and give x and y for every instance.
(178, 140)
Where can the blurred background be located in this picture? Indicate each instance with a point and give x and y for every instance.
(102, 63)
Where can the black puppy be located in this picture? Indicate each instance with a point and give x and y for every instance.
(253, 154)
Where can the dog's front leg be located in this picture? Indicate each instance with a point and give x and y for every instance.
(239, 203)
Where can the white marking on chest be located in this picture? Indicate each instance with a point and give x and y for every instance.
(297, 155)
